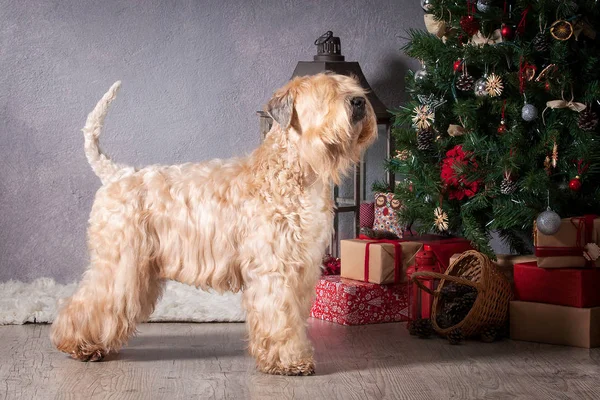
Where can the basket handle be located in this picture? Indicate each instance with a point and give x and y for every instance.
(415, 278)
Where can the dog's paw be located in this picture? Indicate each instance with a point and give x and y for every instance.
(97, 355)
(301, 368)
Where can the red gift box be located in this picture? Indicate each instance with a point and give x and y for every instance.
(434, 257)
(574, 287)
(350, 302)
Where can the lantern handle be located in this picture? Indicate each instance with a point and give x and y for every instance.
(323, 38)
(436, 275)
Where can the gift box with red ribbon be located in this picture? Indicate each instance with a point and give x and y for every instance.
(574, 287)
(575, 245)
(351, 302)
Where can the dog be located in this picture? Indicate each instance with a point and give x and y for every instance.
(258, 224)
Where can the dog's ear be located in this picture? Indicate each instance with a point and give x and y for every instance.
(281, 108)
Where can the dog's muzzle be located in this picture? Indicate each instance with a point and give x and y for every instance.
(358, 108)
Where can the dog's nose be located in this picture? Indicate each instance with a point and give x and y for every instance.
(358, 102)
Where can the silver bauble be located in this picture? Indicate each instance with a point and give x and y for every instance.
(426, 5)
(529, 112)
(484, 5)
(548, 222)
(480, 87)
(420, 75)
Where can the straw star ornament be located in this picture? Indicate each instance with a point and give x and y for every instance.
(423, 117)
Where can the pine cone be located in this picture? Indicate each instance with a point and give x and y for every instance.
(588, 120)
(465, 83)
(453, 290)
(443, 321)
(421, 328)
(456, 336)
(489, 334)
(540, 43)
(425, 139)
(508, 186)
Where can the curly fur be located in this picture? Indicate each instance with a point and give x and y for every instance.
(258, 224)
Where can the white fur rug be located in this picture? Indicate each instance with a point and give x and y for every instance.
(36, 302)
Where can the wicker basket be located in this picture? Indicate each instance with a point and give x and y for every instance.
(494, 292)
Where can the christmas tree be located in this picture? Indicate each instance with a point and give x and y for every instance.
(502, 120)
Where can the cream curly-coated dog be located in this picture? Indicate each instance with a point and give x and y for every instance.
(259, 224)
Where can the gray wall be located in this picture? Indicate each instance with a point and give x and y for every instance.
(193, 72)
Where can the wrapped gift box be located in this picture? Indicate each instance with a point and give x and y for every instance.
(506, 263)
(382, 267)
(553, 324)
(566, 248)
(350, 302)
(574, 287)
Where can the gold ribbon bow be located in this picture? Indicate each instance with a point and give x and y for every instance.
(572, 105)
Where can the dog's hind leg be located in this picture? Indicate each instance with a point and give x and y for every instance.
(119, 290)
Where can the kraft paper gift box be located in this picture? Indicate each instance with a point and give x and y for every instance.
(566, 248)
(382, 267)
(553, 324)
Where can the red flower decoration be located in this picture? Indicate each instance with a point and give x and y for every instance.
(458, 186)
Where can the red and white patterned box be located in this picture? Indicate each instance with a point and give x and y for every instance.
(350, 302)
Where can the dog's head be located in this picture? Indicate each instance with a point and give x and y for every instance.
(330, 119)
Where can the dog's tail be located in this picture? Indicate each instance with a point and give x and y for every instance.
(103, 166)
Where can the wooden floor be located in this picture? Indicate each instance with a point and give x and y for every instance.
(208, 361)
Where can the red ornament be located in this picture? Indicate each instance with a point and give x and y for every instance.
(508, 33)
(458, 66)
(547, 86)
(502, 128)
(575, 184)
(469, 24)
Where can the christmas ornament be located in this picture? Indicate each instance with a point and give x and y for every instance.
(469, 24)
(561, 30)
(588, 120)
(480, 39)
(456, 337)
(441, 219)
(458, 66)
(547, 165)
(484, 5)
(554, 155)
(480, 87)
(423, 117)
(508, 185)
(494, 85)
(426, 5)
(507, 31)
(529, 112)
(458, 186)
(548, 222)
(431, 101)
(502, 127)
(575, 184)
(465, 82)
(591, 252)
(421, 328)
(435, 26)
(425, 139)
(421, 75)
(402, 155)
(456, 130)
(540, 43)
(489, 334)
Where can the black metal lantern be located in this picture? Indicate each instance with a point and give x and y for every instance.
(329, 58)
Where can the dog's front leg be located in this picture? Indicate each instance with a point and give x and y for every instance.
(278, 305)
